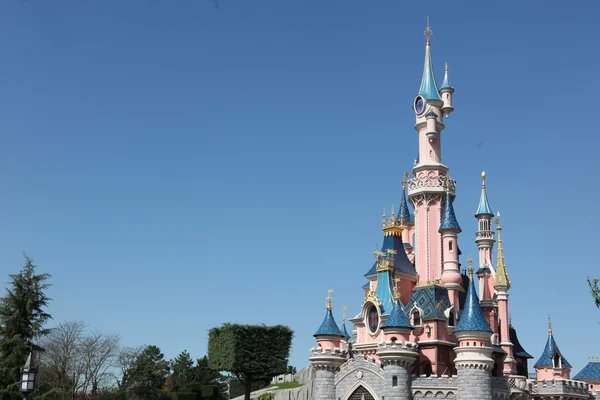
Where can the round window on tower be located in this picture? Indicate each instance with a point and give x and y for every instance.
(373, 319)
(419, 105)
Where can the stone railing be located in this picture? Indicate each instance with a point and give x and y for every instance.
(434, 183)
(500, 383)
(434, 382)
(408, 346)
(360, 358)
(561, 387)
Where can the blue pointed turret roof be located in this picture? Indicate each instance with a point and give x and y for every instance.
(446, 85)
(518, 349)
(484, 205)
(401, 262)
(397, 318)
(404, 212)
(328, 326)
(344, 331)
(472, 318)
(590, 372)
(550, 351)
(428, 89)
(449, 221)
(385, 291)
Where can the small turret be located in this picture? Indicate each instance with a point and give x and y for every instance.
(484, 238)
(552, 364)
(405, 217)
(502, 285)
(329, 335)
(396, 323)
(428, 90)
(473, 355)
(449, 228)
(446, 92)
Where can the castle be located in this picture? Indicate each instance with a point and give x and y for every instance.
(424, 331)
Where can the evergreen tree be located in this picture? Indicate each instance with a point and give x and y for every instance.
(147, 375)
(182, 376)
(22, 319)
(204, 375)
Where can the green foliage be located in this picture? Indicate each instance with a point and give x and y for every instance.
(286, 385)
(237, 388)
(266, 396)
(22, 319)
(250, 352)
(147, 375)
(291, 370)
(593, 283)
(183, 374)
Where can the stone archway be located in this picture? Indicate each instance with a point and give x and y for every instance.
(361, 393)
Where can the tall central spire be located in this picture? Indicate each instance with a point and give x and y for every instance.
(428, 89)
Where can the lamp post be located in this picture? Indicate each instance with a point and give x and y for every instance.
(28, 375)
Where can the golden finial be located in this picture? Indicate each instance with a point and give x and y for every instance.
(393, 213)
(329, 305)
(405, 177)
(483, 176)
(470, 270)
(427, 30)
(377, 252)
(344, 308)
(549, 325)
(497, 221)
(446, 67)
(448, 181)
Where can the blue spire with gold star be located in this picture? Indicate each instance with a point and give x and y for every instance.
(404, 213)
(328, 326)
(428, 89)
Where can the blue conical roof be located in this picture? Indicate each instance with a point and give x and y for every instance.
(449, 221)
(329, 327)
(344, 331)
(472, 318)
(397, 318)
(446, 84)
(549, 352)
(429, 89)
(404, 212)
(484, 205)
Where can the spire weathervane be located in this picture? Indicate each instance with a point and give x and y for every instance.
(427, 30)
(329, 305)
(470, 262)
(405, 177)
(549, 325)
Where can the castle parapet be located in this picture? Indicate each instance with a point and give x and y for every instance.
(572, 388)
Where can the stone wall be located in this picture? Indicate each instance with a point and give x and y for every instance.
(434, 387)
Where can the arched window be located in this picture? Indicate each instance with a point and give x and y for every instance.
(394, 380)
(361, 394)
(450, 245)
(451, 319)
(556, 360)
(416, 317)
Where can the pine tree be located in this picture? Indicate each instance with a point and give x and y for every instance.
(182, 368)
(22, 319)
(147, 375)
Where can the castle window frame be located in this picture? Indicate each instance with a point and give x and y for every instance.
(416, 317)
(394, 380)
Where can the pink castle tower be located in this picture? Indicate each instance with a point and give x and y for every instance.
(502, 285)
(552, 364)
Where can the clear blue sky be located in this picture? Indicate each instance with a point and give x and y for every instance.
(174, 166)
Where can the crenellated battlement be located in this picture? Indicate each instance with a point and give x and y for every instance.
(560, 387)
(394, 345)
(336, 352)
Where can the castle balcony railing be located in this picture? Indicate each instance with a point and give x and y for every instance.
(433, 184)
(484, 235)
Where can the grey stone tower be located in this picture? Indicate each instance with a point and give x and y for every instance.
(396, 359)
(327, 364)
(473, 356)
